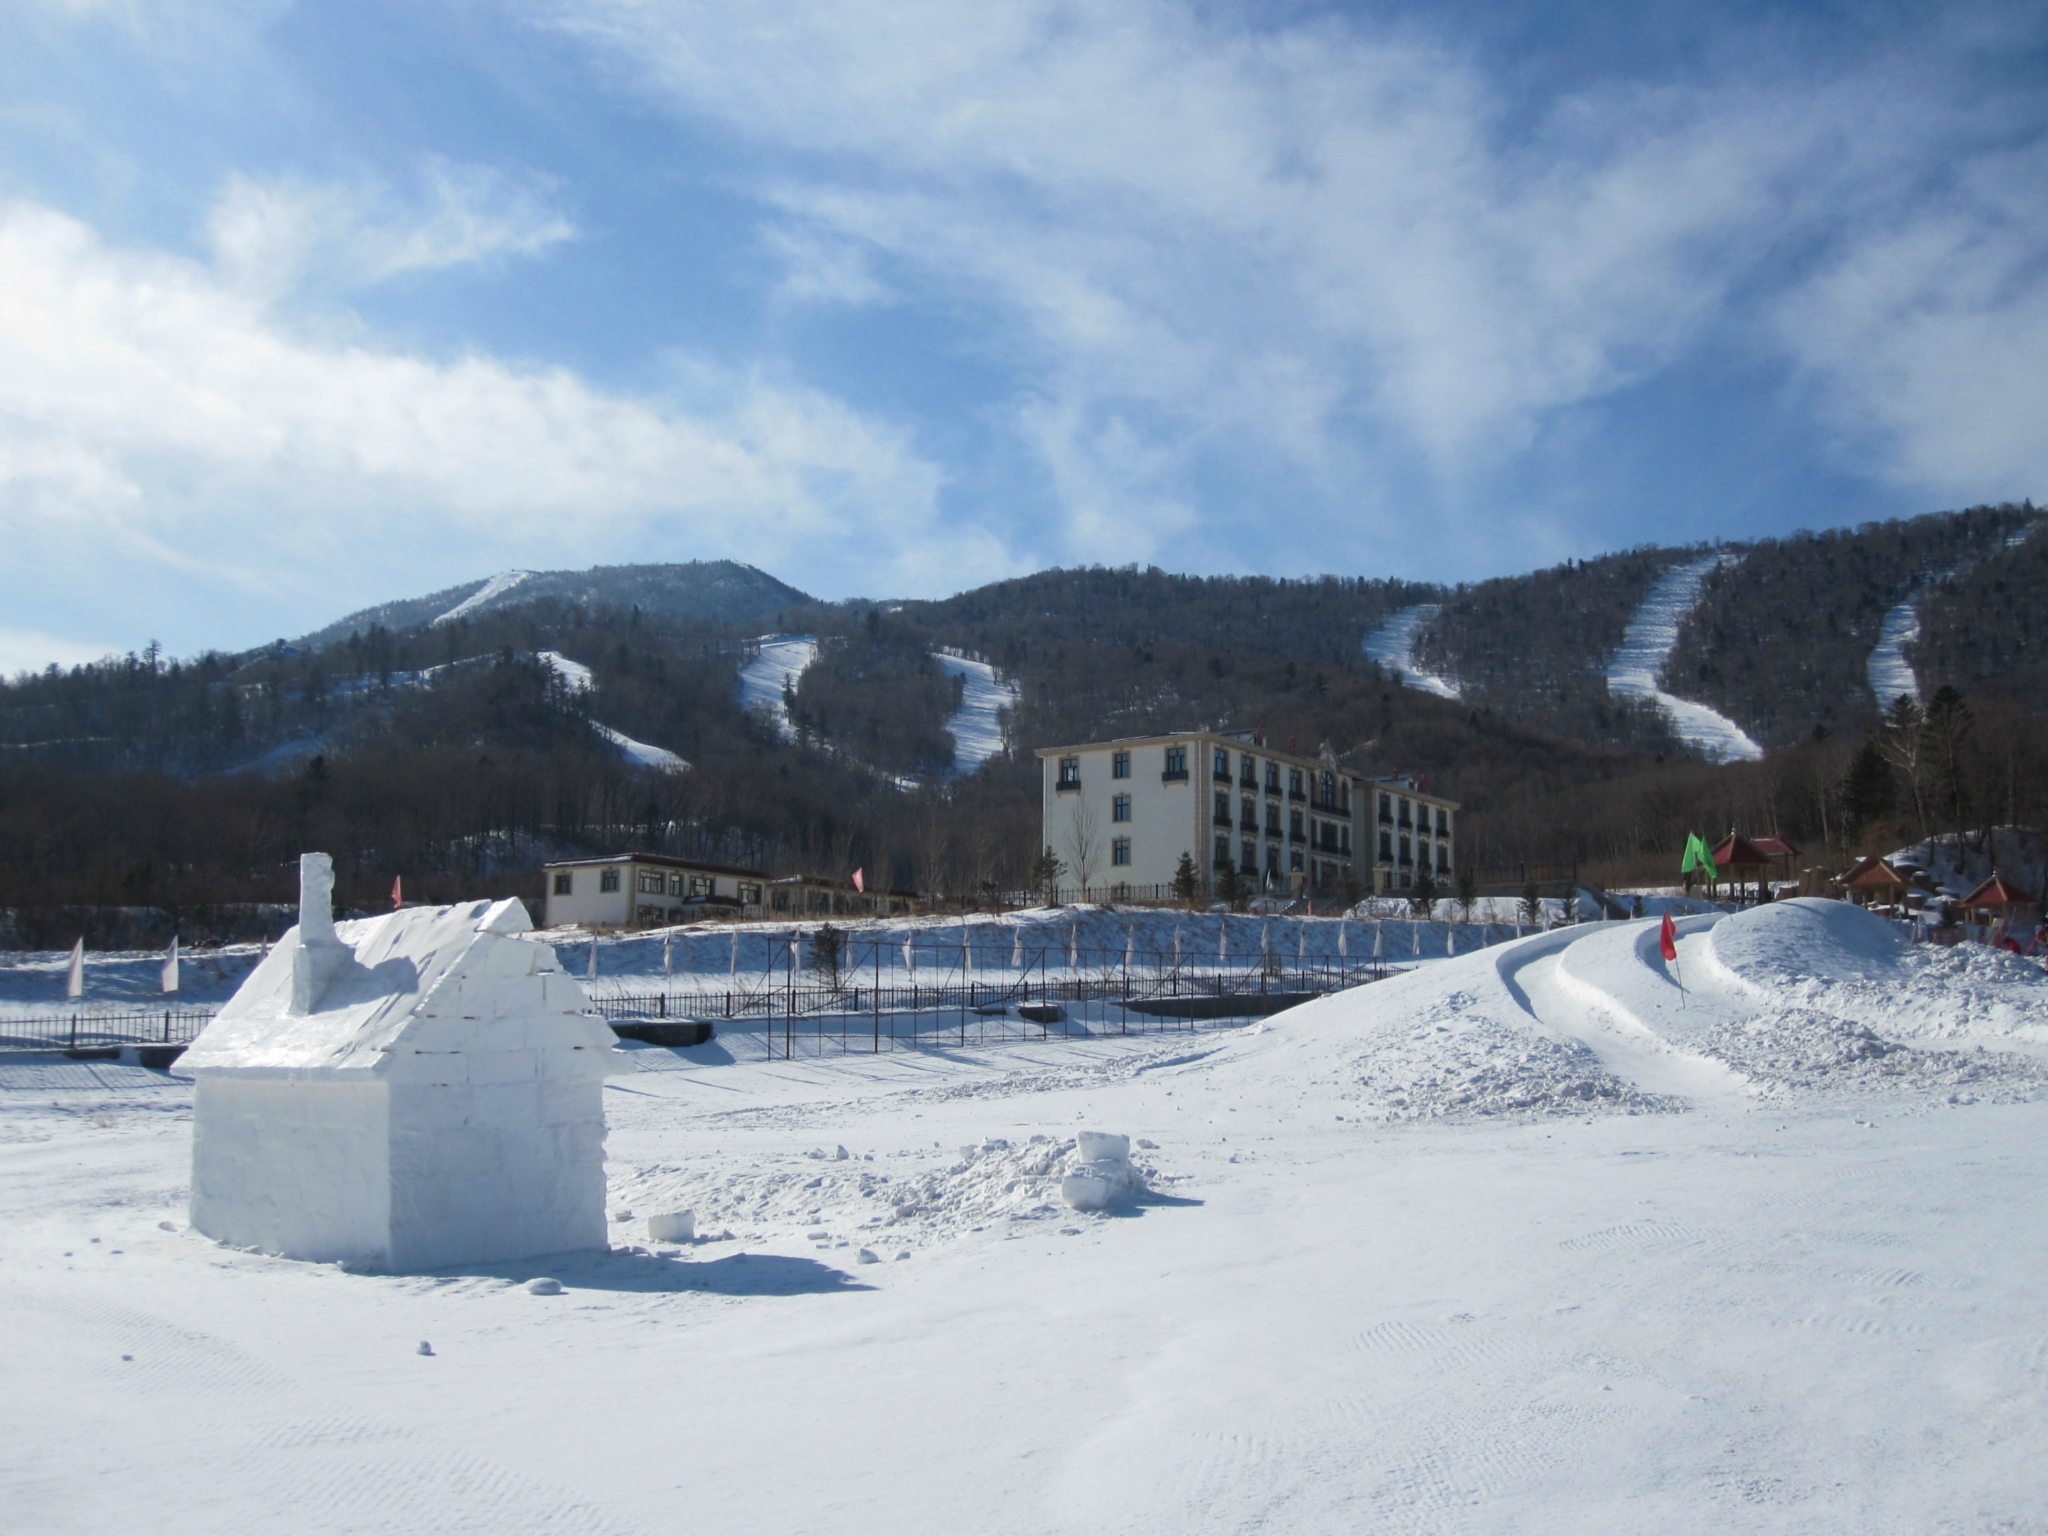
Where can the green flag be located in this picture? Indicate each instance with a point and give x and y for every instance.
(1698, 857)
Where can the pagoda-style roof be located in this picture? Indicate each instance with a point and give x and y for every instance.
(1774, 847)
(1998, 892)
(1737, 852)
(1872, 872)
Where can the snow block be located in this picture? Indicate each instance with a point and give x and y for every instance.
(408, 1092)
(1102, 1175)
(676, 1227)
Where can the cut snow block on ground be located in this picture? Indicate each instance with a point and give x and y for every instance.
(1102, 1176)
(1647, 645)
(1392, 645)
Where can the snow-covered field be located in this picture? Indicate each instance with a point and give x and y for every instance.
(1392, 645)
(1524, 1240)
(1647, 644)
(577, 678)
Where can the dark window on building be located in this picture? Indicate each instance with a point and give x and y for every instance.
(1387, 808)
(1222, 814)
(1443, 860)
(750, 893)
(1176, 763)
(1222, 851)
(1294, 858)
(1250, 775)
(1249, 814)
(564, 884)
(700, 885)
(1294, 825)
(1272, 818)
(608, 880)
(1120, 851)
(1249, 863)
(1344, 837)
(1272, 858)
(1386, 847)
(651, 882)
(1443, 822)
(1222, 764)
(1294, 783)
(1407, 856)
(1272, 778)
(1070, 773)
(1120, 808)
(1120, 765)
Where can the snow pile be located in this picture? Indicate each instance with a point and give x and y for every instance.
(1763, 949)
(1647, 644)
(1392, 645)
(1458, 1061)
(914, 1198)
(2018, 853)
(976, 726)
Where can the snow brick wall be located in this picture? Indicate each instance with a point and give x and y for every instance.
(406, 1092)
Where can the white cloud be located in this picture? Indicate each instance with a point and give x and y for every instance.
(268, 237)
(154, 414)
(1172, 210)
(30, 650)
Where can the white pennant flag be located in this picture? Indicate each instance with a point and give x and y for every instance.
(668, 963)
(1265, 940)
(735, 956)
(909, 956)
(1379, 934)
(1343, 939)
(1451, 941)
(590, 967)
(1130, 946)
(1301, 950)
(1222, 939)
(1415, 938)
(966, 955)
(170, 978)
(1073, 945)
(74, 982)
(1176, 941)
(1017, 952)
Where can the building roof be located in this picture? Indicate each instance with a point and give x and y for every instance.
(665, 860)
(388, 978)
(1738, 852)
(1998, 892)
(1872, 871)
(1775, 847)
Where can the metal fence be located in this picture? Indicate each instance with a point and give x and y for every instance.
(101, 1029)
(870, 1003)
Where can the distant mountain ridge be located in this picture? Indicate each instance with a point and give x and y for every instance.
(719, 591)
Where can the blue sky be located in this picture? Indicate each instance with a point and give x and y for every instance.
(306, 307)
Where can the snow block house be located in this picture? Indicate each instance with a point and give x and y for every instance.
(404, 1092)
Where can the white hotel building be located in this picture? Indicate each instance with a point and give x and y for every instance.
(1119, 814)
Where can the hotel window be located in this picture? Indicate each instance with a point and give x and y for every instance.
(1272, 858)
(1120, 765)
(1407, 855)
(1272, 818)
(1386, 808)
(1120, 808)
(1222, 816)
(1443, 822)
(608, 880)
(1070, 773)
(1222, 764)
(1222, 851)
(651, 882)
(1250, 776)
(675, 885)
(1294, 858)
(1344, 836)
(1176, 763)
(1272, 778)
(1249, 818)
(1249, 864)
(750, 893)
(1386, 847)
(1443, 860)
(1294, 783)
(1120, 851)
(700, 885)
(1294, 826)
(564, 884)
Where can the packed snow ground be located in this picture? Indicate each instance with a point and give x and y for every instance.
(1891, 675)
(1392, 645)
(1647, 644)
(1524, 1240)
(976, 726)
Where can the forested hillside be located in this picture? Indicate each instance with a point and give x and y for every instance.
(1535, 648)
(1984, 631)
(1781, 640)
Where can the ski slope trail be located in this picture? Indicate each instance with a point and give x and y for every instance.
(976, 726)
(1392, 645)
(1891, 674)
(1646, 646)
(779, 660)
(488, 593)
(576, 677)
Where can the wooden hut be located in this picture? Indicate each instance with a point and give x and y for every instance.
(1780, 852)
(1999, 902)
(1874, 883)
(1740, 862)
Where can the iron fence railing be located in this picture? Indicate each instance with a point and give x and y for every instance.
(98, 1029)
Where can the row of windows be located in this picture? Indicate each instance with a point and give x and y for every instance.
(1325, 788)
(1420, 817)
(654, 883)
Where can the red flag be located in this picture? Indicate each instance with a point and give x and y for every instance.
(859, 884)
(397, 899)
(1667, 938)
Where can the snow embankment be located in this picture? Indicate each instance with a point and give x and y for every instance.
(779, 660)
(1392, 645)
(977, 725)
(1796, 995)
(577, 678)
(1646, 645)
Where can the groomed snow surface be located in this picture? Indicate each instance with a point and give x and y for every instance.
(1525, 1240)
(1392, 645)
(1646, 645)
(976, 726)
(576, 677)
(777, 659)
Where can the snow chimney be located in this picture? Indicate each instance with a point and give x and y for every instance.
(320, 952)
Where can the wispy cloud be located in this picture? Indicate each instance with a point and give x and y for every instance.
(156, 415)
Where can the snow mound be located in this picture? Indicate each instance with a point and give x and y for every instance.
(1787, 1049)
(921, 1197)
(1763, 948)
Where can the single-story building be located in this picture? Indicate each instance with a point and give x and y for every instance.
(647, 890)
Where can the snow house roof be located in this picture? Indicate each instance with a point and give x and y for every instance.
(404, 964)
